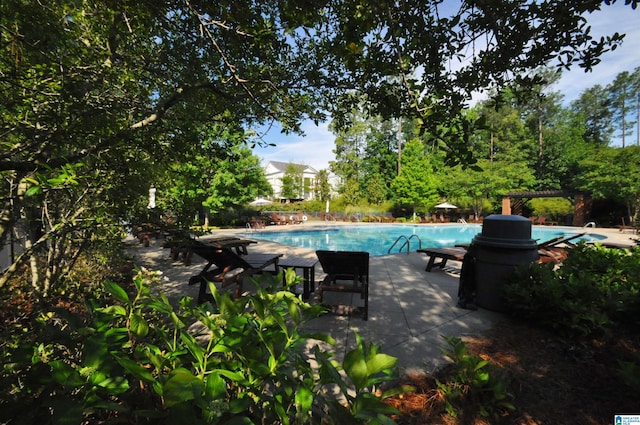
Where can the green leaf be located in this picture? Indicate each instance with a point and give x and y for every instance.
(481, 364)
(65, 374)
(117, 334)
(135, 369)
(216, 387)
(380, 362)
(115, 310)
(181, 386)
(237, 406)
(193, 347)
(304, 400)
(117, 291)
(320, 337)
(234, 376)
(355, 366)
(138, 325)
(113, 384)
(33, 190)
(159, 306)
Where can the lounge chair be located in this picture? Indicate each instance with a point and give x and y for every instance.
(230, 268)
(295, 219)
(555, 250)
(552, 250)
(543, 222)
(561, 240)
(328, 217)
(347, 271)
(278, 219)
(256, 223)
(626, 227)
(445, 254)
(185, 246)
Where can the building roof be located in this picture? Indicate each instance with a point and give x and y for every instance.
(282, 166)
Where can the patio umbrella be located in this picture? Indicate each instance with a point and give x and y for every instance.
(446, 206)
(259, 201)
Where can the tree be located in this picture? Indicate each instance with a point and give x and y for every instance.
(124, 87)
(292, 182)
(376, 190)
(539, 107)
(381, 151)
(114, 91)
(564, 149)
(635, 82)
(593, 106)
(547, 105)
(383, 43)
(183, 188)
(350, 145)
(416, 186)
(351, 193)
(322, 189)
(622, 94)
(477, 188)
(614, 173)
(503, 135)
(236, 180)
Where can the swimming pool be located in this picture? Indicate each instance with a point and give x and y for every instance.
(377, 239)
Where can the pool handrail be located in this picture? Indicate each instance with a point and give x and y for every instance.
(407, 243)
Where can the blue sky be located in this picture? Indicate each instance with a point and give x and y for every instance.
(316, 147)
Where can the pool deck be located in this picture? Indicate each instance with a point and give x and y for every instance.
(409, 309)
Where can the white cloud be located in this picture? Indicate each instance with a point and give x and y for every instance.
(315, 148)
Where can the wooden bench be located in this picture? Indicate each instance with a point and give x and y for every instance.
(444, 254)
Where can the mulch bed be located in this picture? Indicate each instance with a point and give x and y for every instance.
(554, 380)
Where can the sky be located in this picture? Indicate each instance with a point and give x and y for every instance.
(315, 148)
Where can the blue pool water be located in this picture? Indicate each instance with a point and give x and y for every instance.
(377, 239)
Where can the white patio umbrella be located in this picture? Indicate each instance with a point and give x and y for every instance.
(446, 206)
(259, 201)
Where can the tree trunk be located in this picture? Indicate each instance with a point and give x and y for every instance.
(540, 136)
(399, 144)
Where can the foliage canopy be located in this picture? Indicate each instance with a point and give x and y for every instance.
(118, 91)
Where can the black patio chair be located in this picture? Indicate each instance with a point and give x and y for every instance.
(230, 268)
(347, 271)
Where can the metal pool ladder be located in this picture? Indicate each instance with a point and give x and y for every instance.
(407, 243)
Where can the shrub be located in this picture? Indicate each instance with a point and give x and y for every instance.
(594, 287)
(138, 360)
(551, 207)
(473, 382)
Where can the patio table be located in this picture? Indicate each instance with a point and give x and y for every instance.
(307, 265)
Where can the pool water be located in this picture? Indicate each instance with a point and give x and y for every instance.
(379, 238)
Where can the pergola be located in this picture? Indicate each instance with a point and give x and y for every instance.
(512, 202)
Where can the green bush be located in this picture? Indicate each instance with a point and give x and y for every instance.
(474, 383)
(137, 360)
(629, 374)
(595, 287)
(553, 208)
